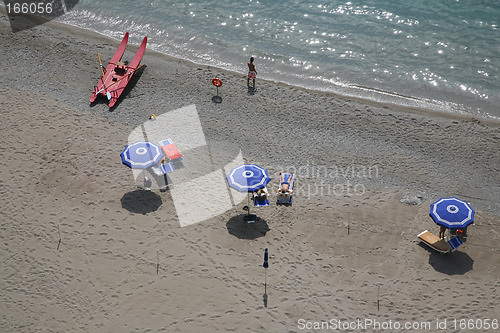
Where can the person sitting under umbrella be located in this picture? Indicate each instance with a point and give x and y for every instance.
(261, 193)
(462, 233)
(160, 177)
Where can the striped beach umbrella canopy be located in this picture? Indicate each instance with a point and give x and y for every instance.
(248, 178)
(141, 155)
(452, 213)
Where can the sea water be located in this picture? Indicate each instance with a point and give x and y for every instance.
(439, 54)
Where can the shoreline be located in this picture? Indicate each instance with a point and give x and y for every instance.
(419, 109)
(443, 98)
(459, 114)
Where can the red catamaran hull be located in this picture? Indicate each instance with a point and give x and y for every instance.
(117, 75)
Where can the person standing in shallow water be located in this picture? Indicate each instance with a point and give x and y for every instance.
(252, 73)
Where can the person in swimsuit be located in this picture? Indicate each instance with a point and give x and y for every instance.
(285, 186)
(442, 232)
(155, 171)
(262, 193)
(252, 73)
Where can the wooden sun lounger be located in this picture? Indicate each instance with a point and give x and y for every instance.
(434, 241)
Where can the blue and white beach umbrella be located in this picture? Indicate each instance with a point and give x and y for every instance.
(141, 155)
(248, 178)
(452, 213)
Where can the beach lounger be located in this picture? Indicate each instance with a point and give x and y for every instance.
(434, 241)
(439, 244)
(170, 150)
(163, 169)
(286, 198)
(160, 174)
(259, 201)
(455, 242)
(172, 153)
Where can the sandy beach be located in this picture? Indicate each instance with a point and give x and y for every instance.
(84, 250)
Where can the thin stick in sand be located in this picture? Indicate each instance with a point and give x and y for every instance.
(59, 230)
(378, 298)
(348, 220)
(157, 262)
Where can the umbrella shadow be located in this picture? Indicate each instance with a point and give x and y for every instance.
(237, 226)
(141, 201)
(455, 263)
(217, 99)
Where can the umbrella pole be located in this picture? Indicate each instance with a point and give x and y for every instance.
(248, 200)
(378, 298)
(265, 282)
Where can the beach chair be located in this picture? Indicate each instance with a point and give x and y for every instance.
(438, 244)
(172, 153)
(163, 169)
(261, 201)
(434, 242)
(160, 172)
(286, 198)
(461, 232)
(455, 242)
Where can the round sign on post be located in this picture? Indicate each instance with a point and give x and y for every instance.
(217, 83)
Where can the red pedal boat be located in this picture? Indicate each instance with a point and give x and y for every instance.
(117, 75)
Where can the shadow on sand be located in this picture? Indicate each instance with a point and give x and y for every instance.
(141, 201)
(455, 263)
(237, 226)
